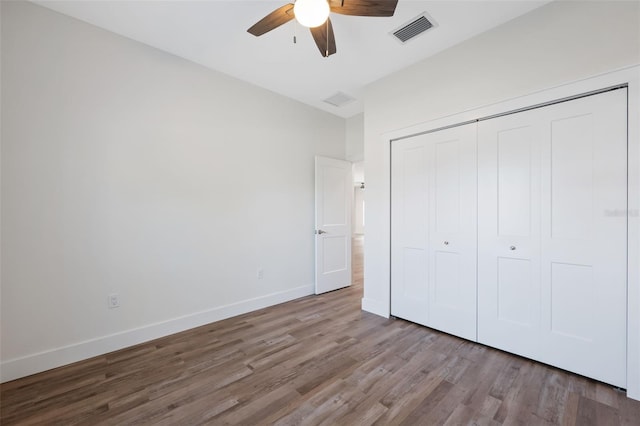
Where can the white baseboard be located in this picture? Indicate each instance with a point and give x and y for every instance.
(39, 362)
(375, 307)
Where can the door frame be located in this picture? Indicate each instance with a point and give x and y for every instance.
(628, 76)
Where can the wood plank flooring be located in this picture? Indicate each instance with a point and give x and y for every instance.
(316, 360)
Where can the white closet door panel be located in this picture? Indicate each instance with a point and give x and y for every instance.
(433, 227)
(514, 177)
(446, 288)
(583, 238)
(453, 221)
(446, 185)
(552, 286)
(515, 290)
(508, 234)
(571, 153)
(409, 229)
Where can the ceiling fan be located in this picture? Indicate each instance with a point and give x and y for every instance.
(314, 14)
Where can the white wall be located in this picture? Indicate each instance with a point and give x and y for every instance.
(128, 170)
(358, 210)
(357, 173)
(556, 44)
(355, 153)
(355, 138)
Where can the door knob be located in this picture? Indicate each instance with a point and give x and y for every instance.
(320, 231)
(512, 248)
(446, 243)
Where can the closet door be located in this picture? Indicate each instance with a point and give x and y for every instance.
(433, 269)
(552, 235)
(509, 233)
(410, 181)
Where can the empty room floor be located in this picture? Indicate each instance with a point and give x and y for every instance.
(315, 360)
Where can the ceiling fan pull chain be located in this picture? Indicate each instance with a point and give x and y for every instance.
(326, 55)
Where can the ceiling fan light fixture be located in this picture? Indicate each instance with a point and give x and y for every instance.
(311, 13)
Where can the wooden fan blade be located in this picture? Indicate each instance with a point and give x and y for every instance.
(325, 39)
(280, 16)
(364, 7)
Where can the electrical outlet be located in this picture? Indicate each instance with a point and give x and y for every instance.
(113, 301)
(260, 273)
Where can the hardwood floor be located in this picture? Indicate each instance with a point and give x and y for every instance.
(315, 360)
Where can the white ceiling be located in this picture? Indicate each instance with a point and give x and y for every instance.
(213, 33)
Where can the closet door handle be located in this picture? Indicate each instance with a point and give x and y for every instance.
(512, 248)
(446, 243)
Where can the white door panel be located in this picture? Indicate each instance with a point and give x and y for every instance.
(508, 226)
(552, 255)
(583, 244)
(409, 228)
(571, 170)
(515, 290)
(446, 284)
(446, 186)
(452, 290)
(515, 173)
(433, 226)
(333, 195)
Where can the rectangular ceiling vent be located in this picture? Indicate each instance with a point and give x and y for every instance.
(413, 29)
(339, 99)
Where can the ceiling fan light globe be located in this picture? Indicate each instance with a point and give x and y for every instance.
(311, 13)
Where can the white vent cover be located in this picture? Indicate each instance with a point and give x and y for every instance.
(339, 99)
(413, 28)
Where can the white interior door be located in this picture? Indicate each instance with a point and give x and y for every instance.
(433, 254)
(552, 235)
(333, 198)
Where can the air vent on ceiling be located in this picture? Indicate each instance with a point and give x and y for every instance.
(414, 28)
(339, 99)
